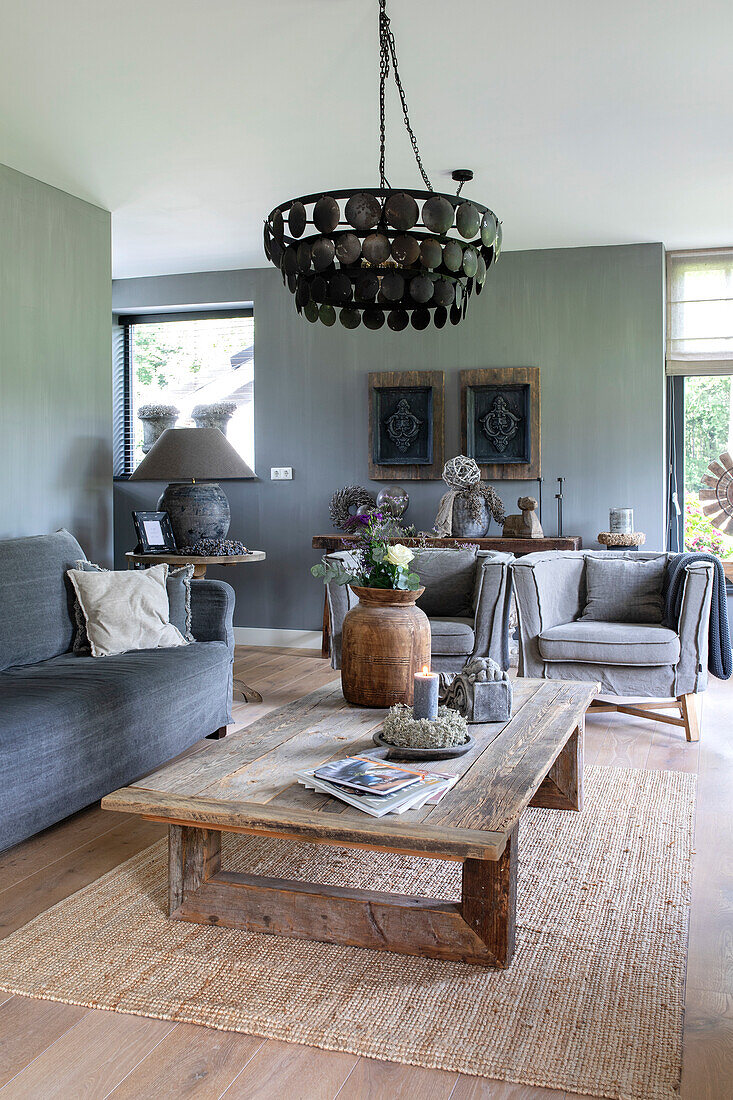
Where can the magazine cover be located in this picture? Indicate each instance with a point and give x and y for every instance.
(364, 774)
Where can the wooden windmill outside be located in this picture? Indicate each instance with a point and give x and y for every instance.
(717, 499)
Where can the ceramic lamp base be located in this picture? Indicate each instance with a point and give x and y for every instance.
(198, 511)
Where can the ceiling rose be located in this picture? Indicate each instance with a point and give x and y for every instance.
(381, 254)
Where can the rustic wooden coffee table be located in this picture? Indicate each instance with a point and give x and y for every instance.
(245, 784)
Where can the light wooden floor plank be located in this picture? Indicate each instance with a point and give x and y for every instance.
(89, 1059)
(478, 1088)
(625, 742)
(189, 1061)
(68, 836)
(49, 885)
(708, 1053)
(283, 1071)
(27, 1028)
(373, 1080)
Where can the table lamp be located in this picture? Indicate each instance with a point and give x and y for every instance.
(193, 460)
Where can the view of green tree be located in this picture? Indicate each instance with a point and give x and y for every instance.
(162, 352)
(707, 425)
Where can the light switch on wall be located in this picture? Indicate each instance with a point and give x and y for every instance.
(281, 473)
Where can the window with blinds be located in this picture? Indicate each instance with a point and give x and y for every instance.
(700, 312)
(182, 370)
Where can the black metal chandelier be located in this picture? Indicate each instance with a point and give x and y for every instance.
(377, 253)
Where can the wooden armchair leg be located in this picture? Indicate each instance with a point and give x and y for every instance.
(688, 710)
(217, 734)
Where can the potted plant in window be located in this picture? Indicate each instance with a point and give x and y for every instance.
(155, 419)
(386, 638)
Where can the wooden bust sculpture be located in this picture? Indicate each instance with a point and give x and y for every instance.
(526, 525)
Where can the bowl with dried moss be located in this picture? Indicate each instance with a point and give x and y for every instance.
(409, 738)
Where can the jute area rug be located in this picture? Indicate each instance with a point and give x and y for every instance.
(592, 1002)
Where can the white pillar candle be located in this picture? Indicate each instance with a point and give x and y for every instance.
(425, 697)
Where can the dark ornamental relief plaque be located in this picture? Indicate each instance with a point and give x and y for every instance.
(406, 425)
(500, 421)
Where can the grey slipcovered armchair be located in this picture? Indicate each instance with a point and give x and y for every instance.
(466, 598)
(666, 660)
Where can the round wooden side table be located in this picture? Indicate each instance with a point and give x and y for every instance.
(200, 563)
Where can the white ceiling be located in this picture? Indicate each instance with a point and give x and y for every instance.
(585, 122)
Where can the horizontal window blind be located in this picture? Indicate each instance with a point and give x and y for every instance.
(181, 369)
(700, 312)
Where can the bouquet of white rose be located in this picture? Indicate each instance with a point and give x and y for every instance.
(378, 563)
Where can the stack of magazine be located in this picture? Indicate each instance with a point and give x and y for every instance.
(376, 786)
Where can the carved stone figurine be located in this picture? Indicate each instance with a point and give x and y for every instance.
(481, 692)
(527, 524)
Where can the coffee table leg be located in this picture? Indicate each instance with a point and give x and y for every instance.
(194, 855)
(489, 900)
(479, 929)
(562, 789)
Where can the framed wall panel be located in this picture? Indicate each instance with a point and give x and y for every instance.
(406, 425)
(500, 421)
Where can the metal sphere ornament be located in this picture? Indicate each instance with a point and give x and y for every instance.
(393, 499)
(384, 240)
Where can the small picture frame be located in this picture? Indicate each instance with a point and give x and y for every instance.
(154, 533)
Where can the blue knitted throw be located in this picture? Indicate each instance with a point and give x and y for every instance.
(720, 657)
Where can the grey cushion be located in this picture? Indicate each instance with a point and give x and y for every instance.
(449, 578)
(178, 586)
(624, 590)
(451, 636)
(37, 602)
(75, 728)
(610, 643)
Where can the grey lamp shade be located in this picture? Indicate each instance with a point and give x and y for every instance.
(192, 454)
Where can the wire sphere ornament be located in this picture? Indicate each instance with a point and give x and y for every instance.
(461, 473)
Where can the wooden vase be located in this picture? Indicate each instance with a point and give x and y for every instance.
(385, 641)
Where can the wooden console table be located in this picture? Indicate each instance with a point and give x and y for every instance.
(518, 547)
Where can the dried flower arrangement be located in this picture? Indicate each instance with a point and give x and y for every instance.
(448, 729)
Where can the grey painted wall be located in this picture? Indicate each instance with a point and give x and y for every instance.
(55, 364)
(590, 318)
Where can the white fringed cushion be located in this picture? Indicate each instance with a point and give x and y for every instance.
(126, 610)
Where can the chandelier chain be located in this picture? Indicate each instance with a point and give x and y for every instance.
(383, 75)
(387, 51)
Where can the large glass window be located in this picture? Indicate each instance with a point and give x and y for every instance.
(700, 362)
(186, 371)
(708, 419)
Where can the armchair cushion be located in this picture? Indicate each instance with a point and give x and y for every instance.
(605, 643)
(449, 578)
(451, 636)
(624, 590)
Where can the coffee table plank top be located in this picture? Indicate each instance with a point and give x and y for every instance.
(246, 781)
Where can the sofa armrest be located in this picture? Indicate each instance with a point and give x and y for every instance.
(550, 591)
(492, 600)
(212, 612)
(693, 627)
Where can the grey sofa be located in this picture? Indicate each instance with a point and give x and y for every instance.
(74, 728)
(466, 598)
(640, 660)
